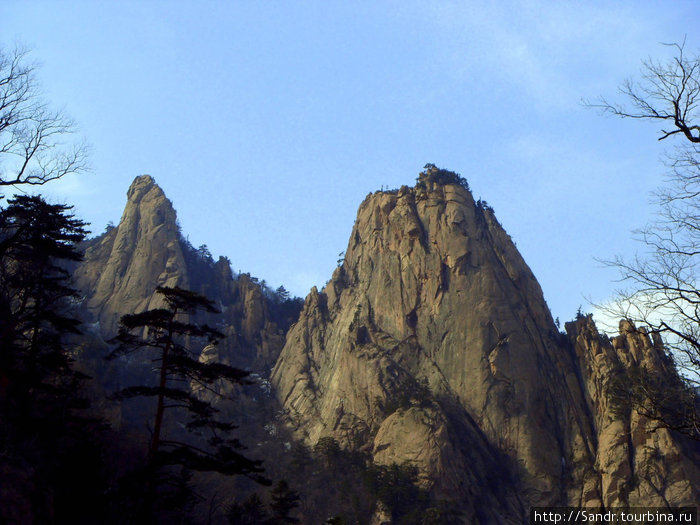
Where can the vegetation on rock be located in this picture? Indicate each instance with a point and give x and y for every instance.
(432, 174)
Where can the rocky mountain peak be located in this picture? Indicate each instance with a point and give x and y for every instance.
(432, 319)
(124, 266)
(432, 343)
(141, 185)
(638, 463)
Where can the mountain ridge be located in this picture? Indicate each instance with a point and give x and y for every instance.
(431, 345)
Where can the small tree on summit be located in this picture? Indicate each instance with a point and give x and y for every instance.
(177, 368)
(431, 173)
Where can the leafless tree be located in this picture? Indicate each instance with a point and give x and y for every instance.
(667, 91)
(663, 296)
(34, 145)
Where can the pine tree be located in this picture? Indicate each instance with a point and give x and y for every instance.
(36, 241)
(164, 335)
(284, 501)
(42, 422)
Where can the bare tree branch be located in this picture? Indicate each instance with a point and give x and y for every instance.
(34, 140)
(663, 293)
(667, 92)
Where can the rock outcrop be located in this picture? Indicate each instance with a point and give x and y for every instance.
(639, 464)
(432, 343)
(123, 268)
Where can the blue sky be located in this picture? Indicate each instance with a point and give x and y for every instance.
(267, 123)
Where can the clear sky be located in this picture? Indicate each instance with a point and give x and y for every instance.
(267, 123)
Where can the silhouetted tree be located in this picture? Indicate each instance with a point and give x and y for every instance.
(667, 92)
(204, 253)
(396, 487)
(328, 450)
(164, 334)
(36, 239)
(282, 293)
(285, 309)
(250, 512)
(32, 149)
(43, 424)
(44, 429)
(284, 501)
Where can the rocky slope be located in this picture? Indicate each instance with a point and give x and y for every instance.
(432, 344)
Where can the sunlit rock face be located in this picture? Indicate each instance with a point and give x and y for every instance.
(432, 343)
(121, 272)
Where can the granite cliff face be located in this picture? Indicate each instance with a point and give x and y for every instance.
(432, 344)
(123, 267)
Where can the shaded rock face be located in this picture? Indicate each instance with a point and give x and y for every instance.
(123, 267)
(432, 343)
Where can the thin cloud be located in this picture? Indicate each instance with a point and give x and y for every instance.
(535, 47)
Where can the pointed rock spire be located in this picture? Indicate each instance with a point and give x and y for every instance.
(130, 261)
